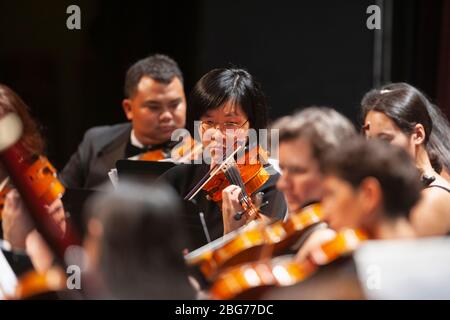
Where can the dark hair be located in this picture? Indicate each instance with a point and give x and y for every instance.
(220, 86)
(11, 102)
(322, 127)
(390, 165)
(158, 67)
(408, 106)
(438, 146)
(142, 243)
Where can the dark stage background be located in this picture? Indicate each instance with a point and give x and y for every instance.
(303, 52)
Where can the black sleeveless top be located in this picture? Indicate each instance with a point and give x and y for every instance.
(427, 183)
(438, 186)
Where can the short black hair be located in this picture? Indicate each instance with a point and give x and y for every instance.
(390, 165)
(220, 86)
(158, 67)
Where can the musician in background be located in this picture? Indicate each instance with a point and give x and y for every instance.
(401, 115)
(304, 139)
(17, 227)
(154, 104)
(372, 186)
(369, 186)
(226, 103)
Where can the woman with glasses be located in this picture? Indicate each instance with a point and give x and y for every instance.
(226, 109)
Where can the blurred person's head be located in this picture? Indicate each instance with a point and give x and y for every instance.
(304, 139)
(368, 184)
(31, 137)
(155, 101)
(134, 243)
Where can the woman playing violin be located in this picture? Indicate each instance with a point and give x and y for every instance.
(225, 104)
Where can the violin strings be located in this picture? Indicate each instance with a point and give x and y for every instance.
(211, 173)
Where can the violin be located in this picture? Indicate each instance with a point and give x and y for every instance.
(250, 281)
(153, 155)
(247, 280)
(255, 242)
(251, 171)
(33, 284)
(296, 225)
(3, 192)
(249, 174)
(345, 242)
(36, 181)
(186, 151)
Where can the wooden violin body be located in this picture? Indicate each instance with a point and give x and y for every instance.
(251, 279)
(33, 283)
(249, 168)
(346, 241)
(259, 241)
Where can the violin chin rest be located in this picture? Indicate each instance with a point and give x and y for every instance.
(10, 130)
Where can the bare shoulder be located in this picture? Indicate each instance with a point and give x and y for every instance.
(431, 216)
(436, 196)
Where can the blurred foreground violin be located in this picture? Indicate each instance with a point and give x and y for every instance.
(254, 242)
(249, 281)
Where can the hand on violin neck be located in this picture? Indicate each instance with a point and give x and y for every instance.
(314, 242)
(57, 213)
(230, 206)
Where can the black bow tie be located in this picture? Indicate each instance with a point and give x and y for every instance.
(132, 150)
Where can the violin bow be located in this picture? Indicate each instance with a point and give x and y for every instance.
(211, 173)
(4, 183)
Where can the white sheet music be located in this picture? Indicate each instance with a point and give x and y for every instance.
(112, 174)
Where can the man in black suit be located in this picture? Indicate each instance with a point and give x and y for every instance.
(155, 105)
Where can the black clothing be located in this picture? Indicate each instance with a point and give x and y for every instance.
(184, 177)
(96, 155)
(438, 186)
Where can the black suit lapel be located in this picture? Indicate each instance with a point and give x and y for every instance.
(107, 156)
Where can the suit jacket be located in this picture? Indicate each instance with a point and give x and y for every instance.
(96, 155)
